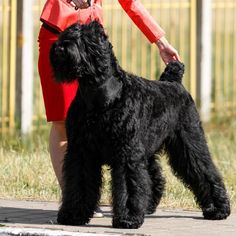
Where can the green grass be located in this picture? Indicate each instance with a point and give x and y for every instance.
(26, 171)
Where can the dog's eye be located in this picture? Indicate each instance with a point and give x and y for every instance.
(59, 50)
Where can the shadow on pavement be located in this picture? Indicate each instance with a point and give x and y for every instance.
(38, 216)
(27, 216)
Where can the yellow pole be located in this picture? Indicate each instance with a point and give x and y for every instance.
(162, 18)
(193, 37)
(12, 64)
(234, 60)
(143, 57)
(114, 29)
(218, 67)
(154, 50)
(226, 54)
(133, 48)
(124, 41)
(4, 63)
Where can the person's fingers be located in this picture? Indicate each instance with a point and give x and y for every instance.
(167, 51)
(177, 56)
(173, 53)
(76, 2)
(82, 4)
(165, 57)
(168, 57)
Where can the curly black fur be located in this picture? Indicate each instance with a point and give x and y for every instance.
(123, 120)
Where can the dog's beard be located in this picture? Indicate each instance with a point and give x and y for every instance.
(66, 62)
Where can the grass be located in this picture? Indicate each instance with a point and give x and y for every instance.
(26, 171)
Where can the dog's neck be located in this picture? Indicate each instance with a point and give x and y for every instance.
(101, 89)
(98, 92)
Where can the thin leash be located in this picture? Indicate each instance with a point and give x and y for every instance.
(91, 7)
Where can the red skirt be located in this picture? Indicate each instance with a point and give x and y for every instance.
(57, 96)
(59, 14)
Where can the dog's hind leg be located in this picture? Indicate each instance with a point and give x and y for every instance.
(191, 161)
(81, 186)
(131, 190)
(157, 183)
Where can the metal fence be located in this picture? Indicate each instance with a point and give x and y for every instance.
(223, 57)
(177, 18)
(7, 64)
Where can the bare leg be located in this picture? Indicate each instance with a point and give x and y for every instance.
(57, 147)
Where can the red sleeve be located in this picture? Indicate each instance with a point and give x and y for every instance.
(142, 18)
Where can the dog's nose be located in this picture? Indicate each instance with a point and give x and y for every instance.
(59, 50)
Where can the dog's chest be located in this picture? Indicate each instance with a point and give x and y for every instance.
(105, 132)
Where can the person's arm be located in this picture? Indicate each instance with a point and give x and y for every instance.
(146, 24)
(150, 28)
(142, 18)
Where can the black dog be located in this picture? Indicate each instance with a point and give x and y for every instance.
(123, 120)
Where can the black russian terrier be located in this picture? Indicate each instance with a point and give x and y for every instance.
(123, 120)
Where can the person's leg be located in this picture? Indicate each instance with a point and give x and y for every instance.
(57, 147)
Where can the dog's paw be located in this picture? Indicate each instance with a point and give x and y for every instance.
(129, 222)
(214, 213)
(68, 218)
(150, 210)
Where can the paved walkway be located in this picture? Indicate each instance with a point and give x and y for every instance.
(39, 219)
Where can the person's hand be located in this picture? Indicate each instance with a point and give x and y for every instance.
(167, 52)
(80, 4)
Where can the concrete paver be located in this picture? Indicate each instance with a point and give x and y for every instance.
(39, 218)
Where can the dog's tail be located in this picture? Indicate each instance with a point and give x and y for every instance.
(174, 72)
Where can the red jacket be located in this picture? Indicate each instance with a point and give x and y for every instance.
(142, 19)
(60, 14)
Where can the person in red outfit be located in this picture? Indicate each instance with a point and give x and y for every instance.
(56, 16)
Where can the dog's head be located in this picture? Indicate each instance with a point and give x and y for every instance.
(80, 51)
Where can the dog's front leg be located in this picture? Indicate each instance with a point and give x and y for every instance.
(158, 184)
(131, 189)
(81, 185)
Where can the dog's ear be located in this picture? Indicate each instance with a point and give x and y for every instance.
(68, 56)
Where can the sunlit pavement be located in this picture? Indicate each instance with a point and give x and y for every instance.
(39, 218)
